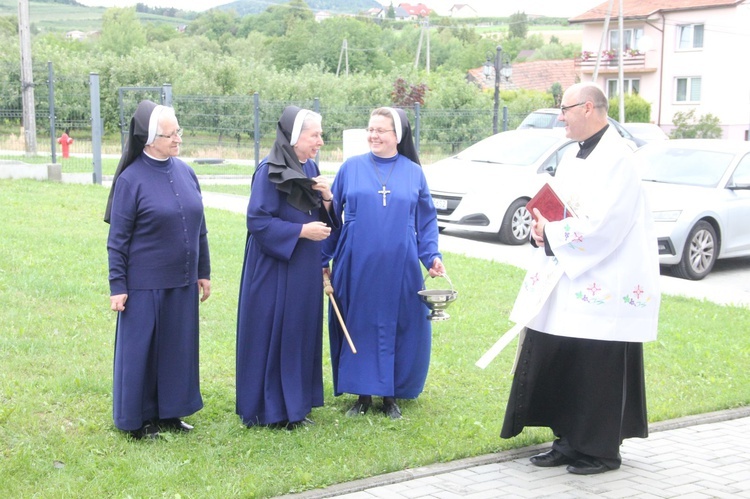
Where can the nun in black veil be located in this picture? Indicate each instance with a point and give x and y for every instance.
(159, 265)
(280, 311)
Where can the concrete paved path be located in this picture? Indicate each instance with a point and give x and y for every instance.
(695, 457)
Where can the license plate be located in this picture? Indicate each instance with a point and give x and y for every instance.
(440, 204)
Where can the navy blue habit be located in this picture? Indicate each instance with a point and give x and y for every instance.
(158, 249)
(280, 312)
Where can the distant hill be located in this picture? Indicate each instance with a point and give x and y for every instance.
(243, 7)
(59, 16)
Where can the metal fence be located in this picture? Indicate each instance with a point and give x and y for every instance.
(237, 129)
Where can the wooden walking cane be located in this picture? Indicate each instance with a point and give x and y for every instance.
(329, 291)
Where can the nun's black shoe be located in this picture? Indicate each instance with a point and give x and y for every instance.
(360, 408)
(550, 459)
(174, 424)
(588, 466)
(146, 432)
(392, 410)
(293, 425)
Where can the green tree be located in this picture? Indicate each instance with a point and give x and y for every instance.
(9, 25)
(557, 92)
(518, 25)
(391, 13)
(214, 24)
(121, 31)
(688, 127)
(160, 32)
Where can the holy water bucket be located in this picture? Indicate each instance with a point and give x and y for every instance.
(437, 300)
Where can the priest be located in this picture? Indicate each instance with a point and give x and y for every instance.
(589, 301)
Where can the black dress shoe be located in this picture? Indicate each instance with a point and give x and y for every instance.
(550, 459)
(588, 466)
(174, 424)
(146, 432)
(360, 408)
(392, 410)
(293, 425)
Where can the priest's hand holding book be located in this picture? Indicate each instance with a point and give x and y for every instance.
(537, 227)
(554, 209)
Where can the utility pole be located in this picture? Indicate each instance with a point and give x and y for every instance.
(427, 63)
(419, 47)
(603, 42)
(344, 53)
(621, 71)
(27, 78)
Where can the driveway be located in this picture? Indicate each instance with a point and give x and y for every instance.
(727, 284)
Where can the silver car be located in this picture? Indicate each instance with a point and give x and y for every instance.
(699, 191)
(485, 188)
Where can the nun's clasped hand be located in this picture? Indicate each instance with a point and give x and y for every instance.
(323, 186)
(315, 231)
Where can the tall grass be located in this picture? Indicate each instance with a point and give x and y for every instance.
(56, 343)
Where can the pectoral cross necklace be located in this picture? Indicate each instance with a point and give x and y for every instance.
(383, 191)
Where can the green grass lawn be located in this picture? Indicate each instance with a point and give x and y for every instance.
(56, 346)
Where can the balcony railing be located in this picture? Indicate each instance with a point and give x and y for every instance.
(606, 63)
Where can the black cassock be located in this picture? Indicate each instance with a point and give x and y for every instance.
(590, 392)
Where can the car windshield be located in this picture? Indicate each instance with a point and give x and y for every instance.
(509, 149)
(677, 165)
(541, 120)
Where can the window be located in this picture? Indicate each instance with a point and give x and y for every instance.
(631, 86)
(690, 36)
(741, 175)
(688, 89)
(630, 39)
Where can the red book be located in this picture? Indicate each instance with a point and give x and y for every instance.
(549, 205)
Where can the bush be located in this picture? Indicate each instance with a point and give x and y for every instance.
(686, 126)
(637, 109)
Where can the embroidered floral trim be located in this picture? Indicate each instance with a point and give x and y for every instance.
(593, 295)
(636, 300)
(534, 282)
(531, 281)
(572, 238)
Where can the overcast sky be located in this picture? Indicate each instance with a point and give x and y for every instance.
(556, 8)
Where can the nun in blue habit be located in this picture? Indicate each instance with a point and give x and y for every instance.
(389, 233)
(280, 311)
(159, 270)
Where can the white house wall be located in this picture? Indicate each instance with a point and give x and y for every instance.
(722, 64)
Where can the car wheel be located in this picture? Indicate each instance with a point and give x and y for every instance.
(700, 253)
(516, 224)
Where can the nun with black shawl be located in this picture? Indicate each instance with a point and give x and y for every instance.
(389, 229)
(280, 311)
(159, 270)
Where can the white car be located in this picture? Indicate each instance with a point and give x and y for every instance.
(647, 132)
(547, 118)
(485, 188)
(699, 192)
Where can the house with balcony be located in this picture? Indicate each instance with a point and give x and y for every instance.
(679, 55)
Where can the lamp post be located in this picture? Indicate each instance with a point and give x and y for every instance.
(498, 68)
(502, 69)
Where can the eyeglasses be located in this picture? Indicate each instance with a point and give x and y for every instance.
(175, 134)
(565, 108)
(377, 131)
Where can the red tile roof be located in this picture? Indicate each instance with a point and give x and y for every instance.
(533, 75)
(643, 8)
